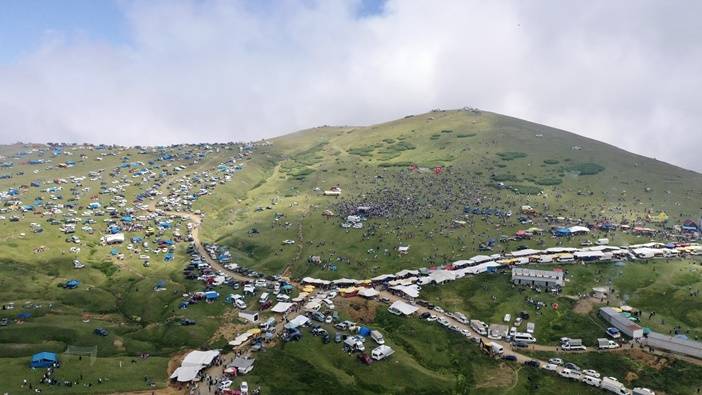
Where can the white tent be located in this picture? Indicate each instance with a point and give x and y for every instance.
(349, 281)
(200, 358)
(241, 339)
(438, 277)
(402, 307)
(186, 373)
(281, 307)
(368, 292)
(525, 252)
(410, 290)
(579, 229)
(296, 322)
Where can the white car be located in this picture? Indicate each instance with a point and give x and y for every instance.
(244, 387)
(240, 304)
(591, 373)
(556, 361)
(443, 321)
(550, 366)
(518, 321)
(432, 318)
(508, 317)
(466, 333)
(438, 309)
(225, 384)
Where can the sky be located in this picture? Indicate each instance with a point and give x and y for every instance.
(160, 72)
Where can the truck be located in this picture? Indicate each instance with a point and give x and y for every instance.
(614, 386)
(493, 348)
(381, 352)
(377, 336)
(479, 326)
(568, 344)
(605, 344)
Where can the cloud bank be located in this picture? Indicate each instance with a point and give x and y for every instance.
(626, 72)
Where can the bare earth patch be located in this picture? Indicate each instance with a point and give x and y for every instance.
(585, 306)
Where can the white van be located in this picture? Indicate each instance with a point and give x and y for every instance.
(613, 385)
(523, 337)
(264, 298)
(593, 381)
(381, 352)
(479, 326)
(284, 298)
(377, 336)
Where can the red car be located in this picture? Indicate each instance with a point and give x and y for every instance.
(365, 358)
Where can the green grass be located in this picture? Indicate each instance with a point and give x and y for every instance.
(129, 377)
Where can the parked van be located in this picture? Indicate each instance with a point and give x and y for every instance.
(381, 352)
(479, 326)
(496, 349)
(570, 374)
(282, 298)
(378, 337)
(613, 385)
(523, 338)
(264, 298)
(593, 381)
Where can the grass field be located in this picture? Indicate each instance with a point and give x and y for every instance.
(428, 360)
(596, 182)
(279, 194)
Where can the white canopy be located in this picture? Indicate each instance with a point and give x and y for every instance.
(298, 321)
(410, 290)
(241, 339)
(186, 373)
(281, 307)
(310, 280)
(200, 358)
(403, 307)
(368, 292)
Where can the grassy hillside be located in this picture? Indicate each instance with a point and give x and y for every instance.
(487, 159)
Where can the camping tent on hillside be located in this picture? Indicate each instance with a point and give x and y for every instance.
(44, 360)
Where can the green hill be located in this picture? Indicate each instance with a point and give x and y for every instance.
(486, 159)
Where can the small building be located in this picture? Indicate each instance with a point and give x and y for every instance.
(251, 316)
(44, 360)
(537, 278)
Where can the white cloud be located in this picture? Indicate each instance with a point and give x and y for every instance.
(625, 72)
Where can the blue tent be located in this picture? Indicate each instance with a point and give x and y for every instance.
(364, 331)
(127, 218)
(211, 295)
(561, 232)
(168, 257)
(70, 284)
(24, 315)
(44, 360)
(114, 252)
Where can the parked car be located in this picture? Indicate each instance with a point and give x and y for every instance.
(187, 322)
(556, 361)
(533, 363)
(101, 332)
(365, 358)
(512, 358)
(550, 366)
(572, 366)
(591, 373)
